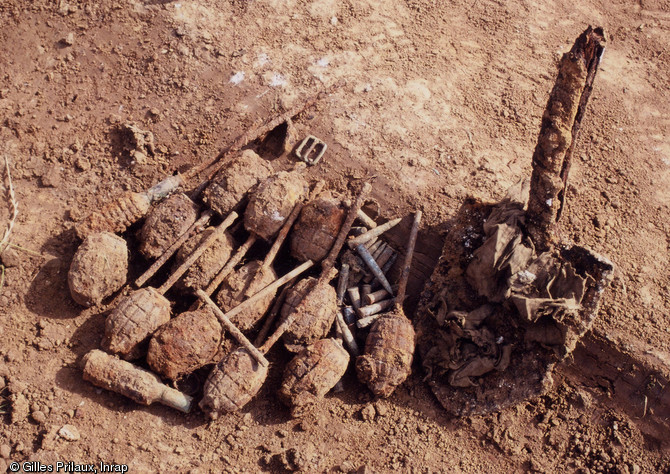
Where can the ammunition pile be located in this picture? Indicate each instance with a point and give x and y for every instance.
(223, 285)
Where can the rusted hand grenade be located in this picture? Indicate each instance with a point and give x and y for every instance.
(312, 373)
(232, 383)
(273, 201)
(248, 280)
(133, 321)
(316, 229)
(185, 343)
(209, 263)
(389, 349)
(315, 301)
(231, 184)
(98, 269)
(166, 223)
(122, 377)
(126, 209)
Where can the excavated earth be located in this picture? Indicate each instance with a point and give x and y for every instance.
(439, 101)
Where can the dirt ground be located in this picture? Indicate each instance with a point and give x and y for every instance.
(440, 100)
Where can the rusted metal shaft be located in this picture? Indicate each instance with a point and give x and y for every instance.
(195, 255)
(232, 329)
(404, 276)
(558, 134)
(329, 261)
(371, 234)
(151, 271)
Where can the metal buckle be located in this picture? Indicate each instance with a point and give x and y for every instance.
(316, 148)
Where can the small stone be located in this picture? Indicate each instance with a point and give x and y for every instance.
(282, 433)
(5, 451)
(179, 450)
(635, 469)
(368, 413)
(38, 416)
(68, 40)
(69, 433)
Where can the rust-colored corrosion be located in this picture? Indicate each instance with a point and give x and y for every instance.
(165, 223)
(315, 302)
(558, 134)
(185, 343)
(273, 202)
(122, 377)
(317, 228)
(133, 321)
(312, 373)
(232, 383)
(248, 280)
(205, 268)
(231, 185)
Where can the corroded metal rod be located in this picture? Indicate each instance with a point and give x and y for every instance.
(220, 229)
(372, 233)
(151, 271)
(231, 263)
(329, 261)
(232, 329)
(404, 276)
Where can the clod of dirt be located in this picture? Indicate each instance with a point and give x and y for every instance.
(133, 321)
(232, 383)
(166, 223)
(316, 305)
(316, 229)
(389, 349)
(115, 216)
(209, 263)
(273, 201)
(246, 282)
(312, 373)
(98, 269)
(138, 143)
(185, 343)
(20, 407)
(232, 183)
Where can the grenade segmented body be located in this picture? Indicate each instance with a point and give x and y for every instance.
(133, 321)
(185, 343)
(98, 269)
(316, 229)
(165, 223)
(312, 373)
(234, 381)
(248, 280)
(273, 201)
(316, 305)
(389, 350)
(209, 263)
(116, 216)
(231, 184)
